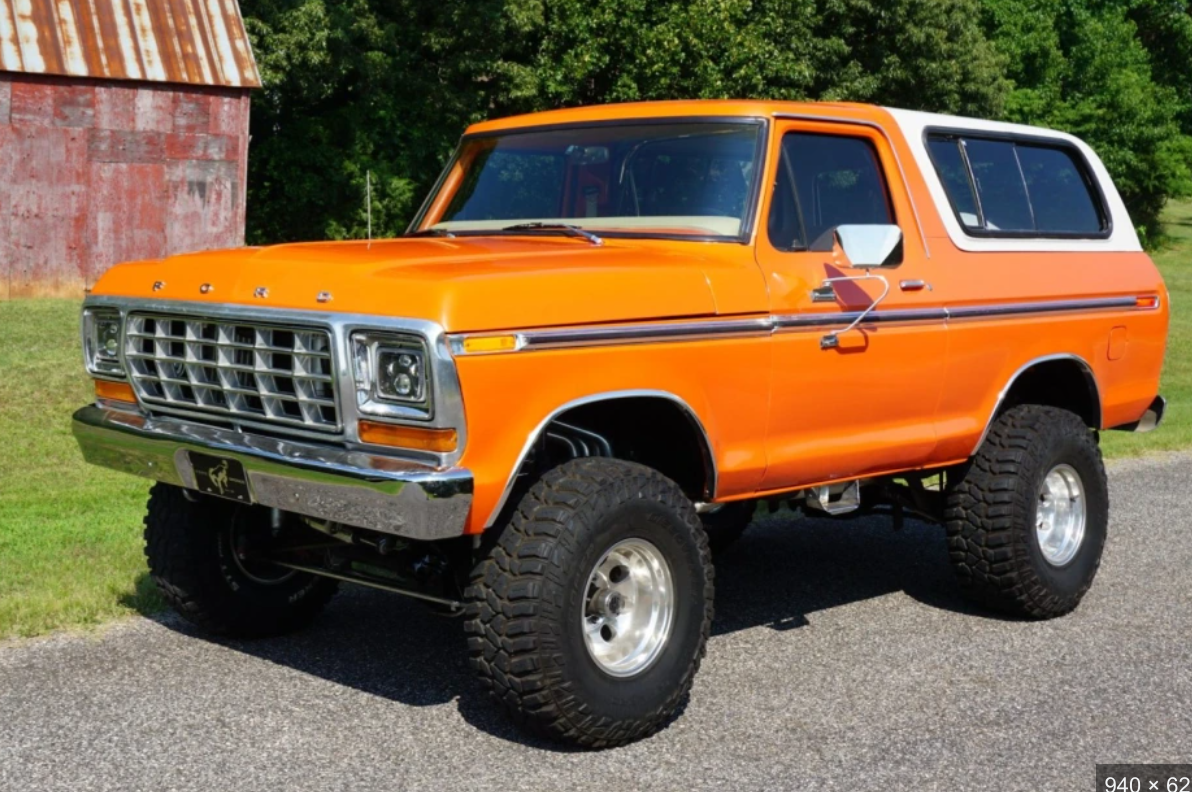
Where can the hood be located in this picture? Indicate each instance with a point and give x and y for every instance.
(464, 284)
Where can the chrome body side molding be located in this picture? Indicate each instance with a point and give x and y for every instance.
(352, 487)
(1090, 378)
(705, 442)
(1011, 310)
(642, 333)
(714, 328)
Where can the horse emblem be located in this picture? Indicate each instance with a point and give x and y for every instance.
(218, 476)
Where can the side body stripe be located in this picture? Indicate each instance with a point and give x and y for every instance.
(651, 332)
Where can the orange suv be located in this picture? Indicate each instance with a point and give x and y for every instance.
(610, 333)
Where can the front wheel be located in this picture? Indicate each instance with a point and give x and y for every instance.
(589, 618)
(196, 553)
(1028, 518)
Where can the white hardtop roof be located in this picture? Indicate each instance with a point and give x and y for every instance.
(914, 124)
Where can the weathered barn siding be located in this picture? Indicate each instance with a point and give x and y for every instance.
(94, 172)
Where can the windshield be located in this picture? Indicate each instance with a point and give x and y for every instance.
(657, 179)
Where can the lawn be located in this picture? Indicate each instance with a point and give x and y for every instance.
(70, 535)
(1175, 261)
(70, 544)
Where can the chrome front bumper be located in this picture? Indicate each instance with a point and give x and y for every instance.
(352, 487)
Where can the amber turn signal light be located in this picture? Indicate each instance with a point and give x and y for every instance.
(437, 440)
(114, 391)
(474, 345)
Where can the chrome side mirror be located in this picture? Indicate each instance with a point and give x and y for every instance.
(864, 246)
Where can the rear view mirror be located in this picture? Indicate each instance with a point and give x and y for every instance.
(587, 155)
(865, 246)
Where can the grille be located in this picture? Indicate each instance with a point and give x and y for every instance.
(250, 372)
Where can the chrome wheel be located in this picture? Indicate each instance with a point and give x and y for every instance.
(1060, 515)
(629, 608)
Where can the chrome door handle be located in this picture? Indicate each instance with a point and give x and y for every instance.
(914, 285)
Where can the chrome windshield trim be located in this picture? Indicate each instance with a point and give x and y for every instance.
(448, 408)
(750, 220)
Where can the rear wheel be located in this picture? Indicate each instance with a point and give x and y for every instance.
(589, 618)
(1027, 521)
(198, 557)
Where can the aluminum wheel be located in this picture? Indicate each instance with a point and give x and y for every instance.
(1060, 515)
(629, 608)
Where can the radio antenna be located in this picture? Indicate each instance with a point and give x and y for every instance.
(368, 200)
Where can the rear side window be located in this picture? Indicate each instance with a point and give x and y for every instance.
(954, 173)
(1060, 194)
(1017, 187)
(825, 181)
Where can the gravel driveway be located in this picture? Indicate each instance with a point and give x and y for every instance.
(842, 658)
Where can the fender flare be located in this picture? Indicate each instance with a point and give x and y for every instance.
(709, 457)
(1089, 375)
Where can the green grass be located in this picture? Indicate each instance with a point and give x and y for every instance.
(1175, 261)
(70, 534)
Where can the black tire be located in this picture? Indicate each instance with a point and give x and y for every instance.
(189, 547)
(726, 525)
(992, 509)
(525, 604)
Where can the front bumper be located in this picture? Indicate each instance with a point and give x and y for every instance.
(352, 487)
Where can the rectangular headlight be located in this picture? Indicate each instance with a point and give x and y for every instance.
(101, 342)
(391, 375)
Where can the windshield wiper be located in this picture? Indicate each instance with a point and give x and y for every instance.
(438, 232)
(566, 228)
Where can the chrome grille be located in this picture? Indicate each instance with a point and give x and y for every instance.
(244, 371)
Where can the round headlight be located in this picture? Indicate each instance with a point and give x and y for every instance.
(109, 337)
(101, 341)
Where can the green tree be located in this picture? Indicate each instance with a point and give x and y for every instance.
(387, 85)
(915, 53)
(1165, 30)
(1081, 66)
(352, 86)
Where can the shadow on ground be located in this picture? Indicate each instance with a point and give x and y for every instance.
(779, 576)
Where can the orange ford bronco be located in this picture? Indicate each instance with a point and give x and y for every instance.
(607, 335)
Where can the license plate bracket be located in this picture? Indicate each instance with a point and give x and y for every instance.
(221, 477)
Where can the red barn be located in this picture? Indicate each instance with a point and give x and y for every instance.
(123, 135)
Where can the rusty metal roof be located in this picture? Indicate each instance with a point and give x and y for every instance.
(201, 42)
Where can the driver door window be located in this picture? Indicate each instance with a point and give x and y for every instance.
(825, 181)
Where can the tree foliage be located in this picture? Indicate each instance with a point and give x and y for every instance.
(1082, 66)
(386, 86)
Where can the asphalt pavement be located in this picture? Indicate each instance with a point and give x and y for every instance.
(842, 659)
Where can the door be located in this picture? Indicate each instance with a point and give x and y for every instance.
(867, 404)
